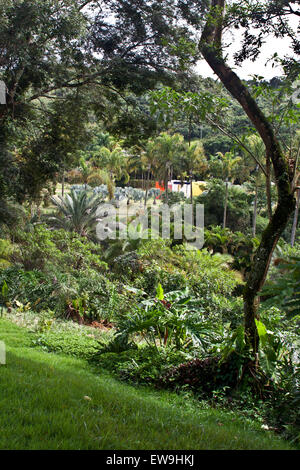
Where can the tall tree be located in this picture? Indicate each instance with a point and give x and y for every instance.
(53, 49)
(168, 150)
(211, 48)
(227, 163)
(255, 173)
(194, 161)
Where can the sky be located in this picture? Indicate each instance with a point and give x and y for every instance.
(259, 67)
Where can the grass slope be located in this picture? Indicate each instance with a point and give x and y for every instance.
(44, 405)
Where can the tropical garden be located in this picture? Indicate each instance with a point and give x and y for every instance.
(137, 339)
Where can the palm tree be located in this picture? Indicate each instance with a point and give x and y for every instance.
(150, 163)
(86, 170)
(99, 177)
(256, 181)
(76, 212)
(217, 238)
(226, 163)
(194, 161)
(114, 162)
(167, 150)
(260, 165)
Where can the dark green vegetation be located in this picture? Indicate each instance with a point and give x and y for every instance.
(98, 111)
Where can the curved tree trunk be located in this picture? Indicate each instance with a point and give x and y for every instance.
(210, 47)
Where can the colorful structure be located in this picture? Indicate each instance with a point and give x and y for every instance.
(177, 186)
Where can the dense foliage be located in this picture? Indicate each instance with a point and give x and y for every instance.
(102, 106)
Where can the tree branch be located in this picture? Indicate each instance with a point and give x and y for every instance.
(212, 53)
(234, 137)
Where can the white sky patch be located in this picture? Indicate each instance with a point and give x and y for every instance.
(261, 66)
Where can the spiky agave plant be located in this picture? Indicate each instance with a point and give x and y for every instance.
(76, 212)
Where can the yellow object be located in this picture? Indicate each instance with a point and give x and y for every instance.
(198, 187)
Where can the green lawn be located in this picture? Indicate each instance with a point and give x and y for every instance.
(50, 401)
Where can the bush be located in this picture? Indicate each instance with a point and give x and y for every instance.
(6, 250)
(82, 296)
(239, 246)
(261, 224)
(238, 214)
(56, 250)
(173, 198)
(153, 275)
(202, 376)
(33, 289)
(143, 365)
(207, 274)
(128, 264)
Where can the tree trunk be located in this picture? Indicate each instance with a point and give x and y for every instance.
(226, 204)
(268, 187)
(255, 211)
(147, 187)
(191, 175)
(166, 186)
(210, 47)
(63, 177)
(295, 221)
(63, 183)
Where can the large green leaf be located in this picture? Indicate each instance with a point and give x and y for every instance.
(159, 292)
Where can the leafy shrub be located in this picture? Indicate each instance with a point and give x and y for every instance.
(77, 252)
(101, 297)
(207, 274)
(56, 250)
(223, 309)
(169, 320)
(144, 364)
(36, 249)
(87, 295)
(153, 275)
(261, 224)
(159, 248)
(128, 264)
(173, 198)
(241, 247)
(238, 215)
(179, 267)
(29, 287)
(6, 250)
(203, 376)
